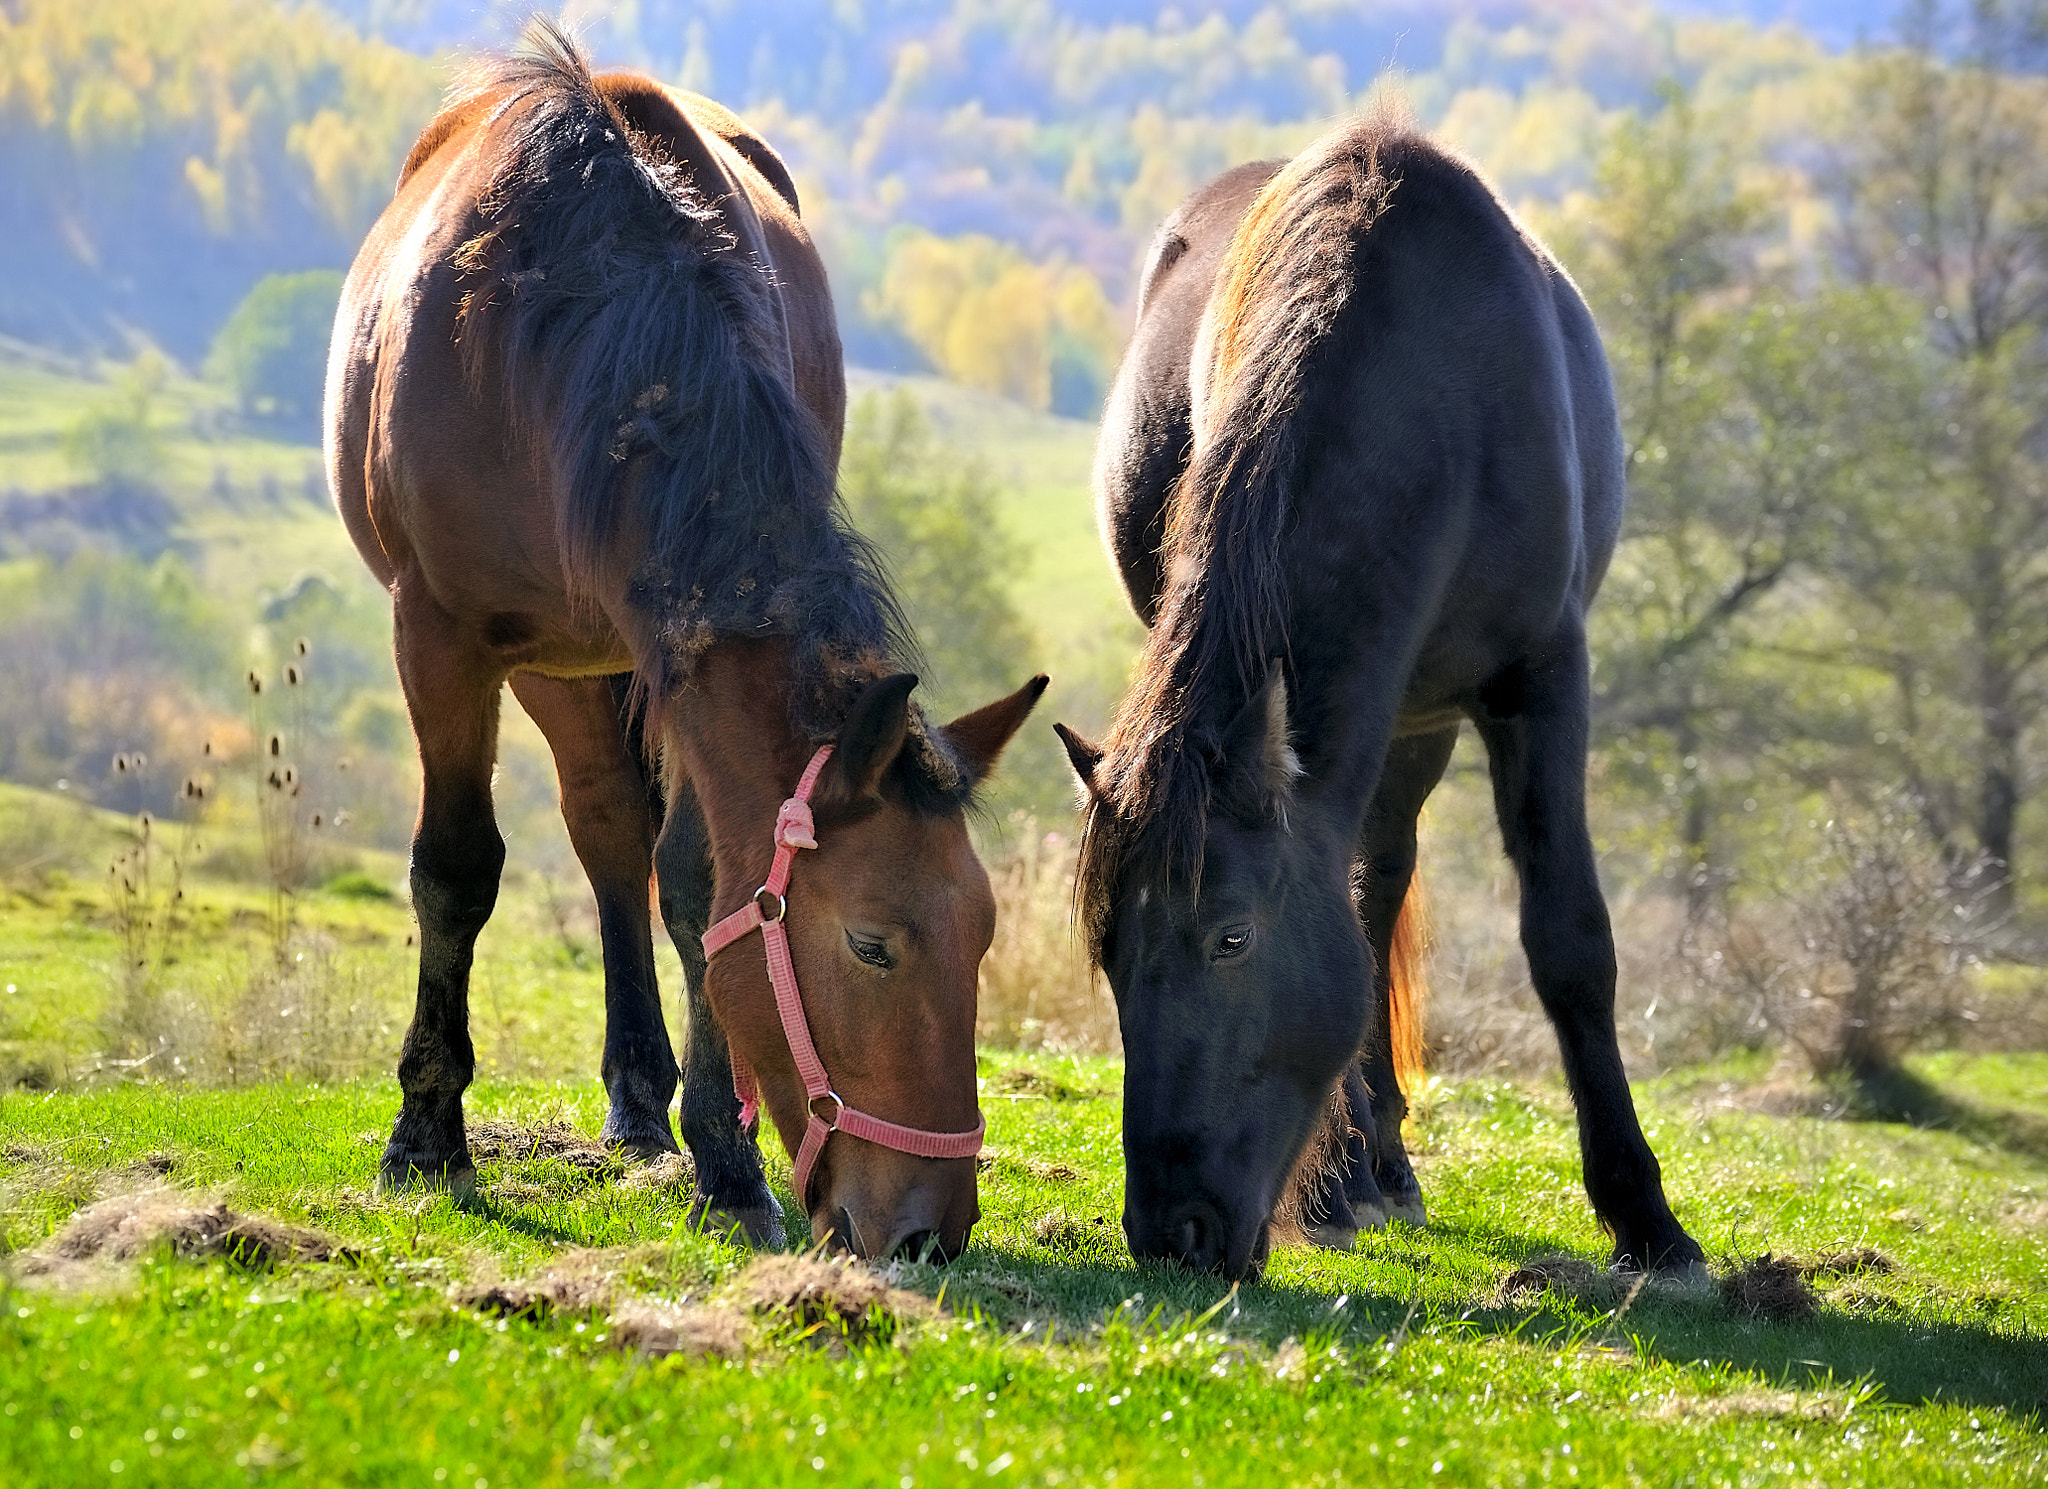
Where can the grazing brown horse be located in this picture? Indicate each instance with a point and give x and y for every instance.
(584, 411)
(1362, 474)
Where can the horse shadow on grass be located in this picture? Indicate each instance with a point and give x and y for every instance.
(1912, 1359)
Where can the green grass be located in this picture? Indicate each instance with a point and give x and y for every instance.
(1054, 1360)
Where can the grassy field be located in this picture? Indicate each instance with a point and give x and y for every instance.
(1044, 1355)
(567, 1325)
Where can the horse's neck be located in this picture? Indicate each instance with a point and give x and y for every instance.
(733, 735)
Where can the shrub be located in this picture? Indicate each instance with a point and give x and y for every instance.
(272, 351)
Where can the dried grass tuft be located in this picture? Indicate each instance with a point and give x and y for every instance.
(844, 1296)
(508, 1142)
(1569, 1277)
(576, 1281)
(697, 1331)
(1771, 1288)
(130, 1226)
(1050, 1173)
(1092, 1239)
(1849, 1263)
(671, 1171)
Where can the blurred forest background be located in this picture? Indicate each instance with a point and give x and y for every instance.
(1815, 236)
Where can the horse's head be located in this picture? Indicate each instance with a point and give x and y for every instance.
(887, 920)
(1240, 977)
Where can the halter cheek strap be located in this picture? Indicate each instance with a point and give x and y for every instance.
(766, 913)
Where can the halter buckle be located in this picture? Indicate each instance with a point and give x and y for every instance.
(781, 905)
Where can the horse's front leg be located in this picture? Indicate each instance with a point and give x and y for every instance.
(1386, 875)
(732, 1189)
(1533, 718)
(610, 821)
(451, 689)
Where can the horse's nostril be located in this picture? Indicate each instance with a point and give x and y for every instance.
(1190, 1237)
(921, 1245)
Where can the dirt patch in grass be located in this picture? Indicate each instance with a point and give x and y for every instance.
(24, 1155)
(130, 1226)
(1772, 1288)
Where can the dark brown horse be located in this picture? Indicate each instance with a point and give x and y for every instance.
(584, 411)
(1362, 474)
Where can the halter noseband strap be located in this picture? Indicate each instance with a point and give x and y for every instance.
(765, 912)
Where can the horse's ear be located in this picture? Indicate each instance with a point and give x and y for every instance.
(871, 738)
(978, 738)
(1083, 756)
(1257, 750)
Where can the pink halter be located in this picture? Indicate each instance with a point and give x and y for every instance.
(793, 830)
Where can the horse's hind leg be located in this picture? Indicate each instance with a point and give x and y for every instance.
(1387, 859)
(732, 1190)
(606, 807)
(451, 689)
(1533, 717)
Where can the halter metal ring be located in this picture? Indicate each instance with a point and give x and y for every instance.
(781, 905)
(838, 1107)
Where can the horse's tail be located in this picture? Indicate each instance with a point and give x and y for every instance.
(642, 359)
(1407, 967)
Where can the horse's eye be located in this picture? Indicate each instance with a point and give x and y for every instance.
(1233, 943)
(874, 953)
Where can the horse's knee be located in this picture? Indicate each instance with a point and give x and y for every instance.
(454, 888)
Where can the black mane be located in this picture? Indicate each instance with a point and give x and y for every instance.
(1220, 626)
(642, 355)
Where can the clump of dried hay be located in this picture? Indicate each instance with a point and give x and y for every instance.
(579, 1281)
(508, 1142)
(1849, 1263)
(1569, 1277)
(128, 1227)
(1088, 1240)
(1772, 1288)
(671, 1171)
(699, 1331)
(838, 1301)
(1050, 1173)
(606, 1283)
(843, 1297)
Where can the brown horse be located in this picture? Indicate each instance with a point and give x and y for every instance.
(584, 412)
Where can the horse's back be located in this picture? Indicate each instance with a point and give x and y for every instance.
(1147, 422)
(1453, 433)
(428, 474)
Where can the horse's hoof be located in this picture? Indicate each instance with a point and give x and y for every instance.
(1410, 1210)
(1369, 1214)
(752, 1225)
(403, 1177)
(1331, 1237)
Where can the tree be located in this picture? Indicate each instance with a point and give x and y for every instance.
(984, 315)
(1947, 203)
(273, 350)
(934, 515)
